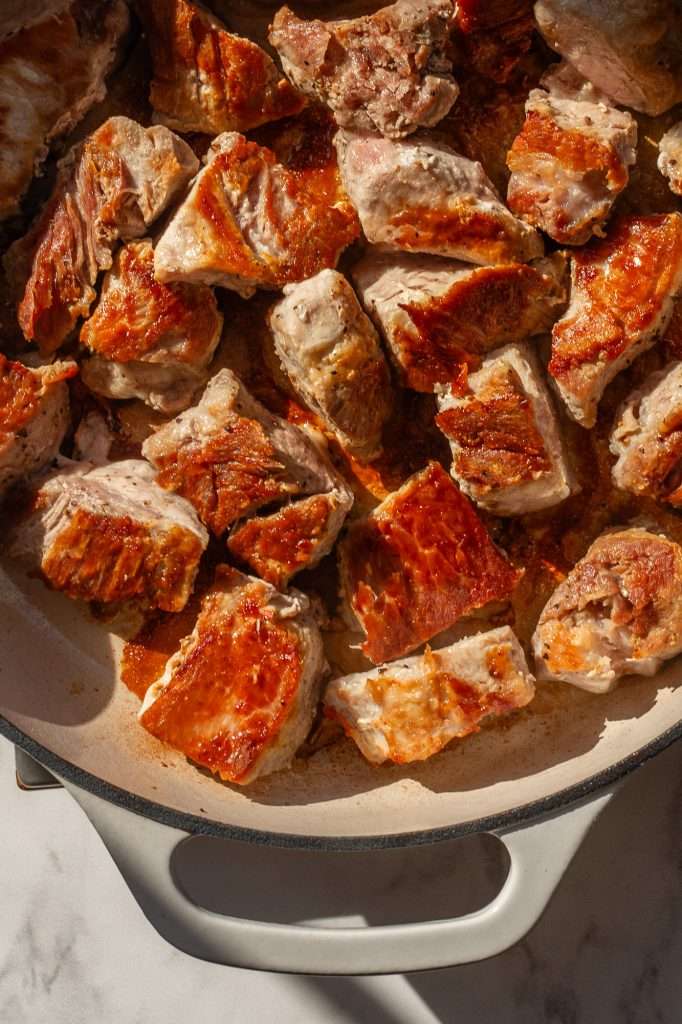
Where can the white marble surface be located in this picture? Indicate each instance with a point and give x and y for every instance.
(75, 949)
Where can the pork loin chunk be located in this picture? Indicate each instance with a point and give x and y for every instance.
(647, 438)
(670, 157)
(239, 696)
(439, 316)
(388, 72)
(50, 75)
(110, 187)
(230, 457)
(570, 161)
(623, 290)
(331, 353)
(34, 416)
(149, 340)
(421, 196)
(250, 222)
(629, 49)
(507, 454)
(109, 534)
(420, 561)
(207, 79)
(618, 611)
(409, 710)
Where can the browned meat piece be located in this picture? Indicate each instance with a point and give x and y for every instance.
(619, 611)
(108, 534)
(239, 696)
(506, 446)
(230, 457)
(419, 562)
(629, 49)
(332, 355)
(440, 317)
(670, 157)
(150, 340)
(622, 296)
(570, 161)
(34, 416)
(388, 72)
(647, 438)
(409, 710)
(421, 196)
(495, 35)
(18, 14)
(249, 222)
(50, 76)
(205, 78)
(110, 187)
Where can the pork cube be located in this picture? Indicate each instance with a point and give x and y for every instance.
(647, 438)
(421, 196)
(629, 49)
(110, 187)
(239, 696)
(249, 222)
(507, 454)
(570, 161)
(109, 534)
(439, 317)
(618, 611)
(623, 289)
(420, 561)
(387, 72)
(670, 157)
(50, 76)
(205, 78)
(19, 14)
(34, 416)
(230, 457)
(409, 710)
(331, 353)
(149, 340)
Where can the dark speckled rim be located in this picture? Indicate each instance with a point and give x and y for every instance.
(201, 826)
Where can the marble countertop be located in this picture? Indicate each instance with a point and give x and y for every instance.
(75, 948)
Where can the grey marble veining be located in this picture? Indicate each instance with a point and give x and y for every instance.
(75, 949)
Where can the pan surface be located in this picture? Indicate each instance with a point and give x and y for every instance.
(60, 698)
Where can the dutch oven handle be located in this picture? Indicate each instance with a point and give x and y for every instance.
(539, 853)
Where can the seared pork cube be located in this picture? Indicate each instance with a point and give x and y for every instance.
(619, 611)
(149, 340)
(239, 696)
(570, 161)
(670, 157)
(387, 72)
(230, 457)
(623, 289)
(205, 78)
(439, 317)
(409, 710)
(419, 562)
(506, 447)
(647, 438)
(34, 416)
(50, 75)
(629, 49)
(249, 222)
(110, 187)
(419, 195)
(19, 14)
(331, 353)
(109, 534)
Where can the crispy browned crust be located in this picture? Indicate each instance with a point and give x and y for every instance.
(138, 312)
(499, 442)
(246, 666)
(495, 35)
(425, 229)
(21, 390)
(205, 78)
(413, 568)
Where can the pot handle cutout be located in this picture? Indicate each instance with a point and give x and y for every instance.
(539, 853)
